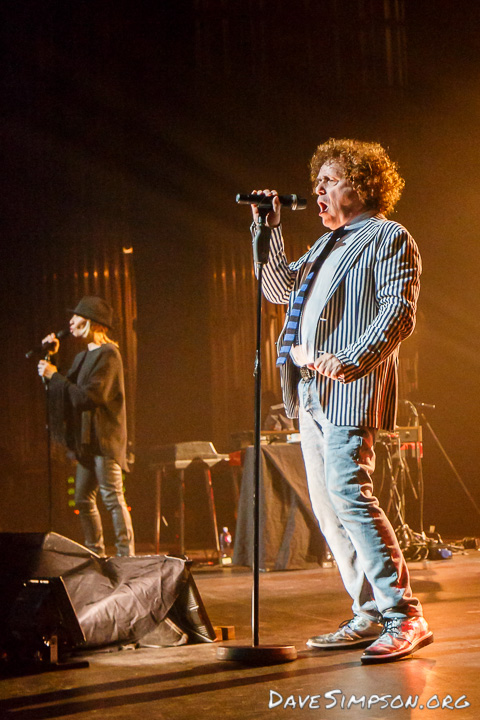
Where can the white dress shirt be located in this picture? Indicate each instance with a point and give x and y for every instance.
(304, 352)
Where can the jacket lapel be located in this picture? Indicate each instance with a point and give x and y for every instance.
(311, 256)
(359, 242)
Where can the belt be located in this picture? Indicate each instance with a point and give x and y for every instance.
(306, 373)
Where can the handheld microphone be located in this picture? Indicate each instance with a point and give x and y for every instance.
(294, 202)
(44, 346)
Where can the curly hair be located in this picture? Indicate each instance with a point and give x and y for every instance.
(367, 166)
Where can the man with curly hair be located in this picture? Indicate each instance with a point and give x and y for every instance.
(351, 301)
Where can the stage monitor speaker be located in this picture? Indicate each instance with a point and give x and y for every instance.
(188, 613)
(187, 620)
(41, 627)
(92, 602)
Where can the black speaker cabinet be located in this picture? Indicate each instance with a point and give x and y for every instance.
(41, 625)
(57, 596)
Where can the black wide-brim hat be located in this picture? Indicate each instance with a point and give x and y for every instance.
(96, 309)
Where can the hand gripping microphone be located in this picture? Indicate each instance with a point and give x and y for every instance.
(294, 202)
(44, 346)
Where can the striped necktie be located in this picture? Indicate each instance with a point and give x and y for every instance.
(294, 317)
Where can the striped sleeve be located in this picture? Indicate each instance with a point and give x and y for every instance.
(279, 276)
(397, 285)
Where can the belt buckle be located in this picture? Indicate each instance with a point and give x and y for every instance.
(306, 373)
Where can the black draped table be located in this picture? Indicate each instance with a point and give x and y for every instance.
(289, 535)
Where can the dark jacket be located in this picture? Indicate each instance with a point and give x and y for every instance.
(89, 402)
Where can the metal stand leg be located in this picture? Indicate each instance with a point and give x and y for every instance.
(158, 506)
(452, 467)
(182, 513)
(212, 510)
(413, 545)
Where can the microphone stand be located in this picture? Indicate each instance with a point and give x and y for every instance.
(256, 654)
(418, 546)
(449, 461)
(49, 448)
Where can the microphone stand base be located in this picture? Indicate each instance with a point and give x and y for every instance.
(257, 654)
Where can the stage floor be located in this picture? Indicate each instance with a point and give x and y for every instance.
(189, 681)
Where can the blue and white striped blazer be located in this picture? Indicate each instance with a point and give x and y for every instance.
(370, 309)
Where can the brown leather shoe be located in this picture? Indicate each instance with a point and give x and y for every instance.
(400, 637)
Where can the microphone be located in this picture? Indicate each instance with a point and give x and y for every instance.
(265, 201)
(429, 406)
(44, 346)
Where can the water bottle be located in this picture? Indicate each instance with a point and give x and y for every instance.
(225, 546)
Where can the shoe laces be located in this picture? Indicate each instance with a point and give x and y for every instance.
(392, 626)
(354, 624)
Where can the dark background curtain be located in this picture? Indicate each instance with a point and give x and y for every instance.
(128, 128)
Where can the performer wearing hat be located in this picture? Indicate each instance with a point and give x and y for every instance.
(89, 401)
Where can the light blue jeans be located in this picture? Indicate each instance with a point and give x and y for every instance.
(339, 461)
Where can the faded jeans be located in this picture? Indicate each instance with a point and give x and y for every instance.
(105, 475)
(339, 461)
